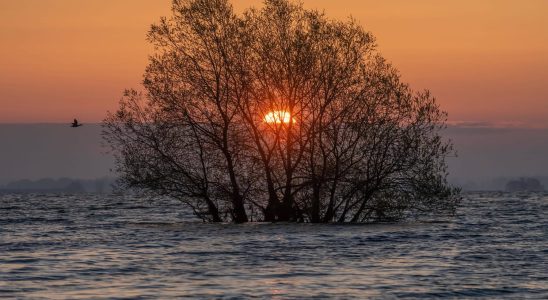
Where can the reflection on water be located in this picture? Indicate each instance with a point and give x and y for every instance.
(62, 246)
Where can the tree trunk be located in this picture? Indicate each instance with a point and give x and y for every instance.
(286, 212)
(315, 211)
(213, 211)
(238, 213)
(271, 211)
(238, 208)
(272, 208)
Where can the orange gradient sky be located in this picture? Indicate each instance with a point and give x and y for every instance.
(485, 60)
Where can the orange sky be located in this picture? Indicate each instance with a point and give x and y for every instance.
(485, 60)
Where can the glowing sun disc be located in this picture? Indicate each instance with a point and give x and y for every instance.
(278, 117)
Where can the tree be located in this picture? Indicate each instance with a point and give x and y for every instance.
(278, 114)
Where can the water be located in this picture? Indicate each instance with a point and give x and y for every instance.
(62, 246)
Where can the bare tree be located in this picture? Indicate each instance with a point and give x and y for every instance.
(279, 114)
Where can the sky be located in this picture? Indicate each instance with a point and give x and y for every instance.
(486, 61)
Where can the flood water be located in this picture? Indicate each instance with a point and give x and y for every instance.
(93, 246)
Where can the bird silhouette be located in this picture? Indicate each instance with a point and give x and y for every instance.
(75, 124)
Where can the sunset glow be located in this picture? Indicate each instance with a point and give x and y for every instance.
(96, 49)
(278, 117)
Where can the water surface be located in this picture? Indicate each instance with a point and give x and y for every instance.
(96, 246)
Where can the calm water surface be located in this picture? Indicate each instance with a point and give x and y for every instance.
(91, 246)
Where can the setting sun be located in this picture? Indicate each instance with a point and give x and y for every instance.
(278, 117)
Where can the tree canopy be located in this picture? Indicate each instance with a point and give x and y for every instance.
(279, 114)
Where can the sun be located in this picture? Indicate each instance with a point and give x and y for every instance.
(278, 117)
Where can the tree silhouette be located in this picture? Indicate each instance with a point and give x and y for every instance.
(278, 114)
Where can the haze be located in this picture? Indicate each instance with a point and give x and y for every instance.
(487, 156)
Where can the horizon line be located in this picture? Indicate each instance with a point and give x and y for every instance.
(450, 124)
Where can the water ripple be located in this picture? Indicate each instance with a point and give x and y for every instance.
(120, 247)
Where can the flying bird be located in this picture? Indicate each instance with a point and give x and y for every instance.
(75, 124)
